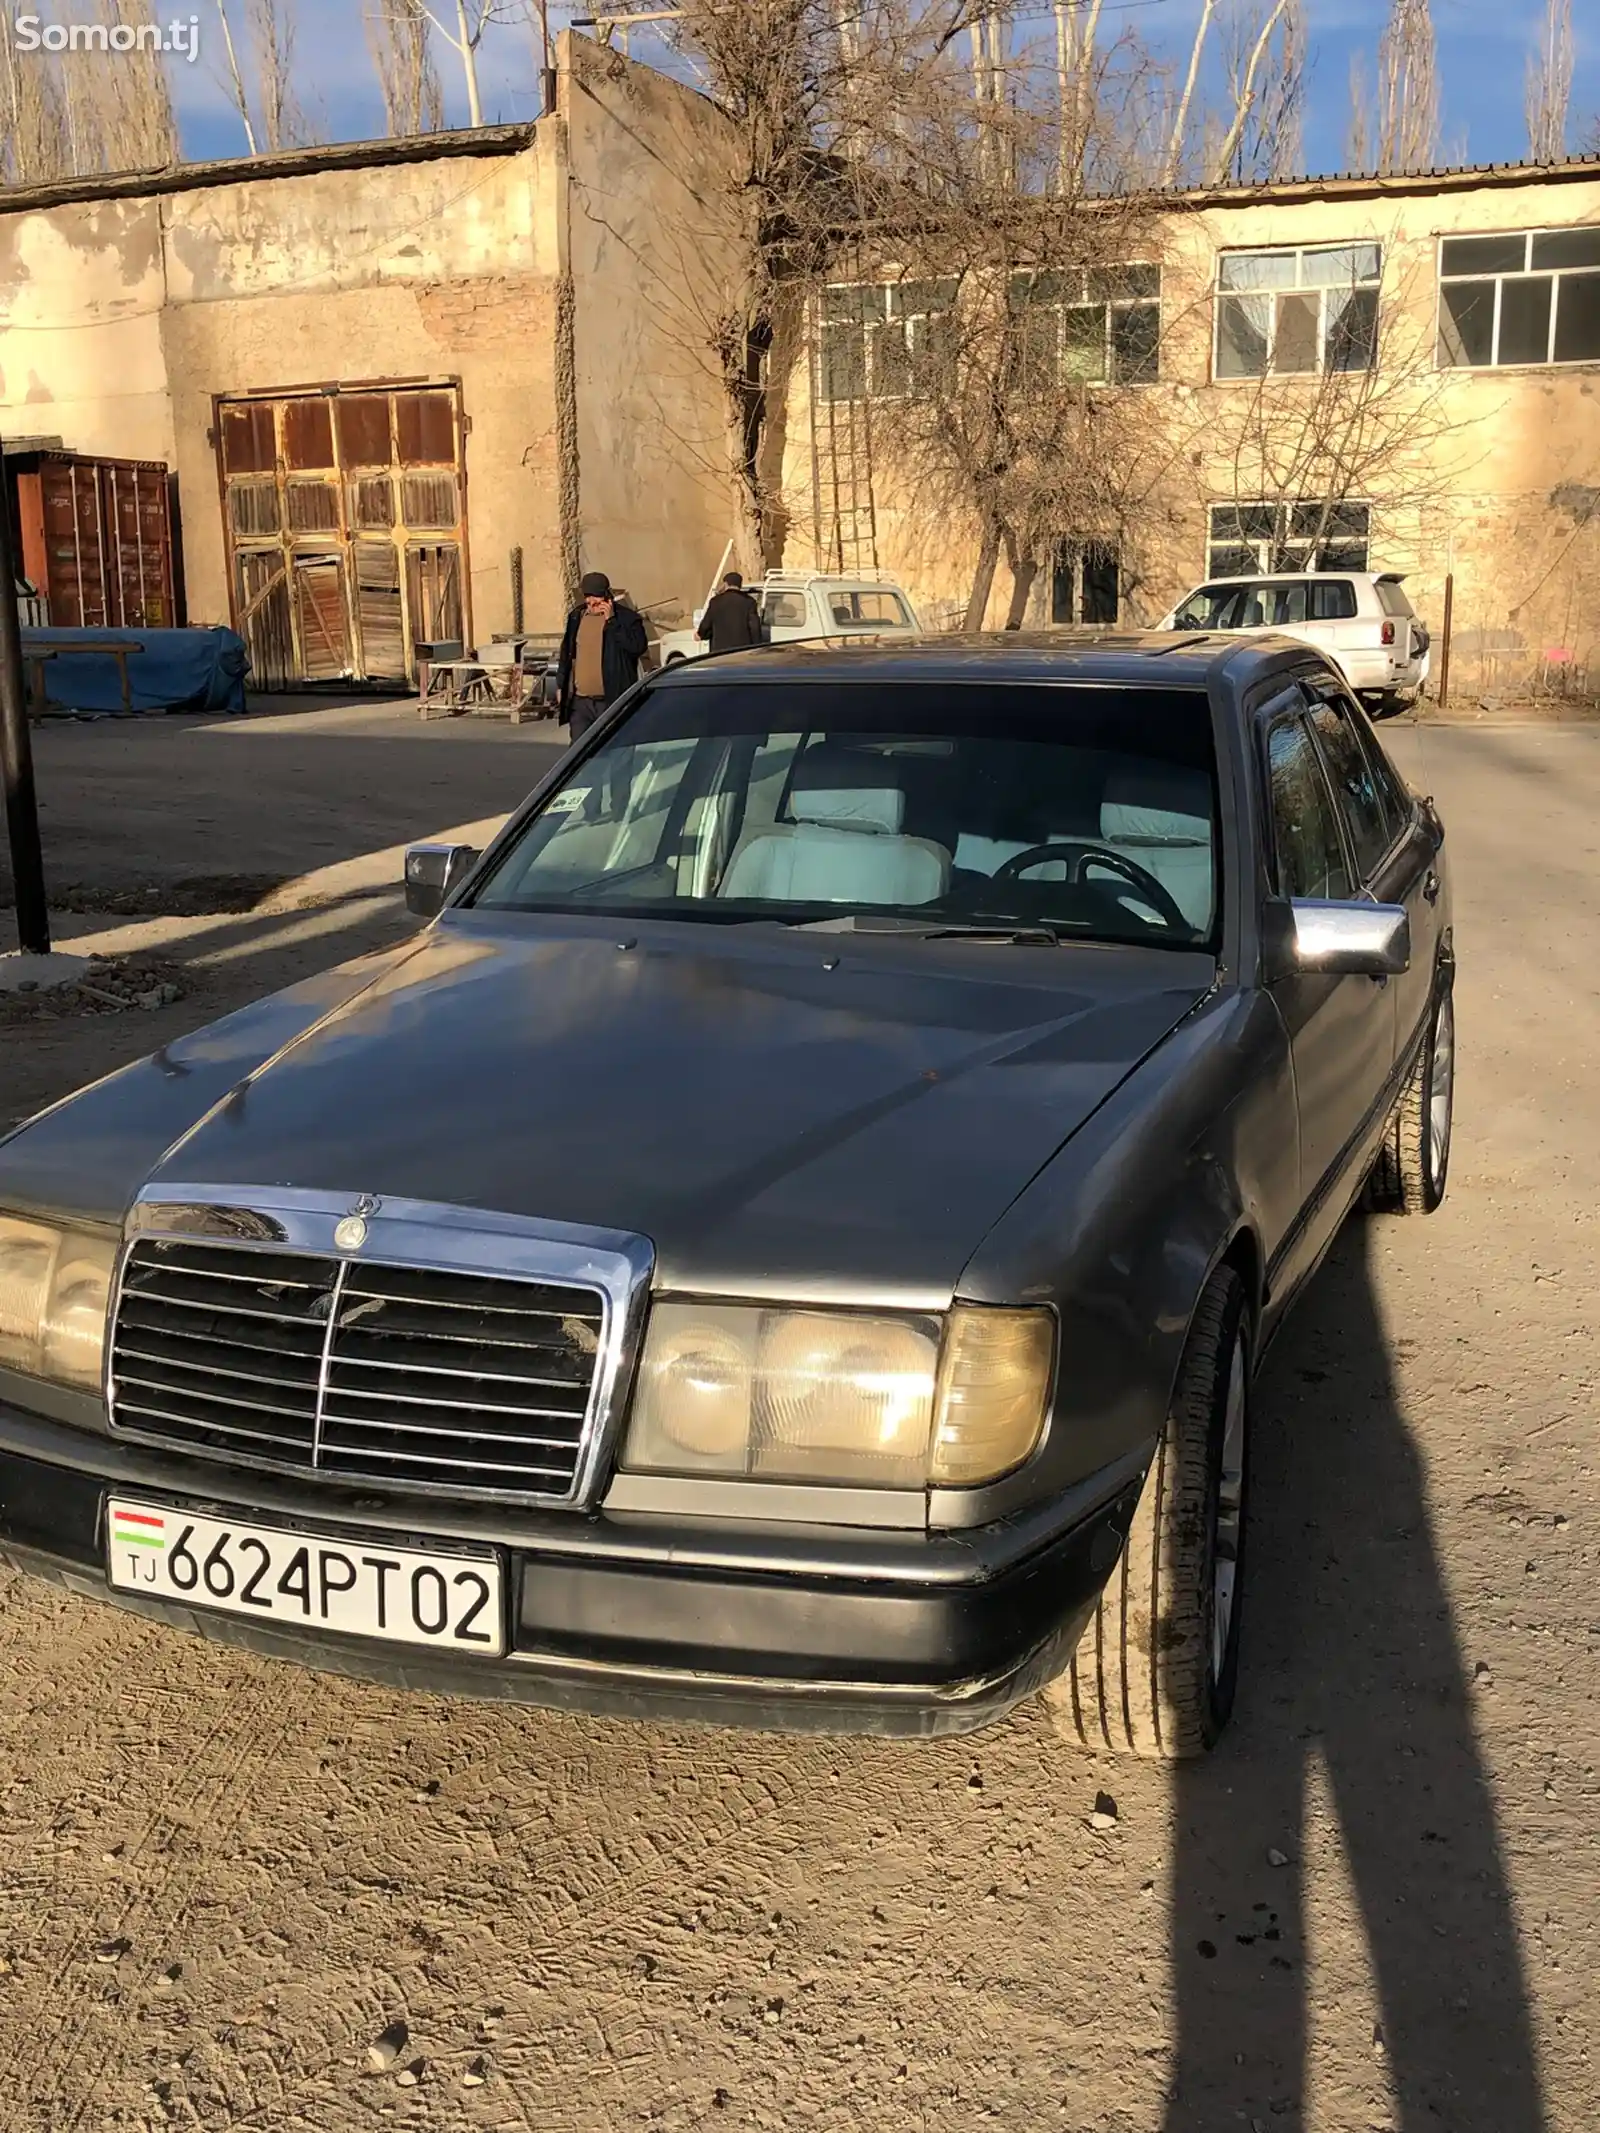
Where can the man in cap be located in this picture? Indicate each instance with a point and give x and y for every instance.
(600, 653)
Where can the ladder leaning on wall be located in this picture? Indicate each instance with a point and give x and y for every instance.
(844, 513)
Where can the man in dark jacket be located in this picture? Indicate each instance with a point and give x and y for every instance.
(731, 620)
(600, 654)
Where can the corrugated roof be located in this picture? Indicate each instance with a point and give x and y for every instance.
(508, 140)
(252, 170)
(1355, 185)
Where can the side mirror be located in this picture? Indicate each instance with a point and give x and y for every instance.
(432, 871)
(1336, 939)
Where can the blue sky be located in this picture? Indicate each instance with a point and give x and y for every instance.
(1483, 48)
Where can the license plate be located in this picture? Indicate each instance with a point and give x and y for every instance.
(308, 1580)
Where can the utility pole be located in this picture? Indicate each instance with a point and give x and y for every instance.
(547, 72)
(16, 753)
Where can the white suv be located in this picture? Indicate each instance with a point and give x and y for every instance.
(1360, 619)
(806, 603)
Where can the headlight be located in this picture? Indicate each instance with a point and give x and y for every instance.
(55, 1289)
(833, 1396)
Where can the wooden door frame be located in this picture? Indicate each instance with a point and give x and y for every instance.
(333, 391)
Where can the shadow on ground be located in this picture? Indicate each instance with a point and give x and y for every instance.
(1356, 1694)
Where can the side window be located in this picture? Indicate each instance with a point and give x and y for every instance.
(784, 610)
(1332, 600)
(1289, 603)
(1311, 858)
(1360, 801)
(1398, 800)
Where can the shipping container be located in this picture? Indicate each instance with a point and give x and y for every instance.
(96, 538)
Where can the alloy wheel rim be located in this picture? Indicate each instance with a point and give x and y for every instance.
(1230, 1516)
(1441, 1090)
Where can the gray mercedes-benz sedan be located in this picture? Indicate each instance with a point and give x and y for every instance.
(790, 1241)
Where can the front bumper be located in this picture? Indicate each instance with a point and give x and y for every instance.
(782, 1629)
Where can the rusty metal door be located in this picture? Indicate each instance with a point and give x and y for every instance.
(345, 519)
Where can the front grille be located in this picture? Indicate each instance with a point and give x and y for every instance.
(386, 1373)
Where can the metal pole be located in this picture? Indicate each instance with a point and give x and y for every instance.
(547, 72)
(16, 753)
(1444, 648)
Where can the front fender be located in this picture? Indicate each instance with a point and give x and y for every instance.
(1196, 1149)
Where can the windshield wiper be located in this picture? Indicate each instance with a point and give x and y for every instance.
(1026, 932)
(1031, 934)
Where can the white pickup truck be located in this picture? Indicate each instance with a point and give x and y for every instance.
(809, 603)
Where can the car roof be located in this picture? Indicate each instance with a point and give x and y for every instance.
(1125, 658)
(1299, 577)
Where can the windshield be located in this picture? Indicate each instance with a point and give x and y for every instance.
(853, 609)
(1082, 811)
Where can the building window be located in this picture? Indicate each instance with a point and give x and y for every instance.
(1531, 296)
(1100, 324)
(1296, 313)
(1268, 538)
(1085, 582)
(878, 340)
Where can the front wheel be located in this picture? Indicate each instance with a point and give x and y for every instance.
(1413, 1164)
(1155, 1671)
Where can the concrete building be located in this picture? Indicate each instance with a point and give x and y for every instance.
(407, 390)
(1429, 344)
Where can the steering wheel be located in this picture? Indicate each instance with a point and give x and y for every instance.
(1078, 854)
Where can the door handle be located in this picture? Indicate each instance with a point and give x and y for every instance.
(1431, 887)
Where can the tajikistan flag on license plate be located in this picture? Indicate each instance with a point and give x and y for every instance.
(138, 1529)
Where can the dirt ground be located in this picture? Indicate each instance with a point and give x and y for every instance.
(1376, 1906)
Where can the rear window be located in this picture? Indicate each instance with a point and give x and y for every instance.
(1392, 597)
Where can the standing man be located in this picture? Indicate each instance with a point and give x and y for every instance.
(600, 654)
(732, 619)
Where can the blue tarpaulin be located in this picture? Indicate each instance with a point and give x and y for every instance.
(178, 670)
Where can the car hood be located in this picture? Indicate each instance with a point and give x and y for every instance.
(778, 1112)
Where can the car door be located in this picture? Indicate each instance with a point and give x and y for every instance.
(1396, 846)
(1341, 1027)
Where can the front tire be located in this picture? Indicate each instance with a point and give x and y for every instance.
(1413, 1165)
(1155, 1671)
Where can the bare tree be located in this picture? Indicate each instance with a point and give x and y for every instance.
(819, 95)
(1549, 86)
(1256, 133)
(1397, 129)
(399, 36)
(898, 145)
(118, 116)
(235, 83)
(272, 38)
(1373, 429)
(34, 140)
(472, 19)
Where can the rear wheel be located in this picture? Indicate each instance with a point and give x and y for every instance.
(1155, 1671)
(1413, 1165)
